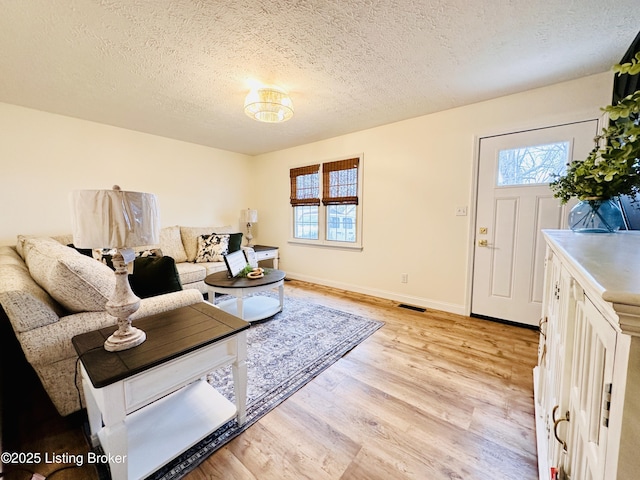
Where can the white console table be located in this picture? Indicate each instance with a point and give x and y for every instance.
(587, 381)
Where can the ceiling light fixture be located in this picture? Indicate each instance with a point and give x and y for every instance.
(268, 104)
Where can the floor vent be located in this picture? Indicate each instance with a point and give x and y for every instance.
(412, 307)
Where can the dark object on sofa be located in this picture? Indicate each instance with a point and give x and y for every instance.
(154, 276)
(235, 242)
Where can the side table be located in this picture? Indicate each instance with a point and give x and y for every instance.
(264, 252)
(148, 404)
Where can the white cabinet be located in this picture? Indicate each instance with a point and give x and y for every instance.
(590, 386)
(553, 371)
(587, 381)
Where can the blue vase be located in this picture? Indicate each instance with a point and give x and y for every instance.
(596, 216)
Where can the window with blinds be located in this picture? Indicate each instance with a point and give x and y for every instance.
(305, 185)
(340, 196)
(334, 217)
(305, 200)
(340, 182)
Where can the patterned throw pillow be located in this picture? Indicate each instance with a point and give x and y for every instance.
(189, 236)
(212, 248)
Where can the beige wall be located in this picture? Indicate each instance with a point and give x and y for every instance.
(416, 173)
(44, 156)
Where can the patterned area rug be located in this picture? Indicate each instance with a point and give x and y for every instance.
(283, 354)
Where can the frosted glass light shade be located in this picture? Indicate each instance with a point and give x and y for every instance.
(114, 219)
(269, 105)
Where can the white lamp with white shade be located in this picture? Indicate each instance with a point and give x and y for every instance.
(119, 220)
(249, 216)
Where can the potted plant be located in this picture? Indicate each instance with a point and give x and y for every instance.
(610, 170)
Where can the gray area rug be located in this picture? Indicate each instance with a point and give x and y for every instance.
(283, 354)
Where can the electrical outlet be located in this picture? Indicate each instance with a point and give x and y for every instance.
(404, 278)
(461, 211)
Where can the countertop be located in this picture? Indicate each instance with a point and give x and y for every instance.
(611, 261)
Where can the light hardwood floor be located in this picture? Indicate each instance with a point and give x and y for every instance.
(430, 395)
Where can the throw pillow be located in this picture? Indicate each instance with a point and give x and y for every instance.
(154, 276)
(235, 241)
(150, 252)
(105, 255)
(77, 282)
(171, 243)
(190, 236)
(212, 248)
(84, 251)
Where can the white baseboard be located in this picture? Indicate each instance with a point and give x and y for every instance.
(407, 299)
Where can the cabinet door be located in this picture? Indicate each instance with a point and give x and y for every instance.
(543, 372)
(547, 327)
(554, 360)
(592, 374)
(561, 341)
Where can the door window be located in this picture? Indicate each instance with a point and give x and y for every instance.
(533, 164)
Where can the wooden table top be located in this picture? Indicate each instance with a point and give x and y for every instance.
(222, 280)
(169, 335)
(262, 248)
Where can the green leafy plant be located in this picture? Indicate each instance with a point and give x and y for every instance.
(612, 168)
(247, 269)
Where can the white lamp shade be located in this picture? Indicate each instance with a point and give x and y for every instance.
(249, 216)
(114, 219)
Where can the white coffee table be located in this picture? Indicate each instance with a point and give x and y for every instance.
(255, 307)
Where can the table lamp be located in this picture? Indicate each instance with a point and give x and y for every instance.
(118, 220)
(249, 216)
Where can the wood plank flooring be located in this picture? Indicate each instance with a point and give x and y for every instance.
(430, 395)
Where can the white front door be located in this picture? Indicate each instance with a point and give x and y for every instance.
(514, 203)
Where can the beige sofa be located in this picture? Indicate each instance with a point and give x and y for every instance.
(181, 243)
(50, 293)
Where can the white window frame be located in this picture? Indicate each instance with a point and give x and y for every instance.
(322, 212)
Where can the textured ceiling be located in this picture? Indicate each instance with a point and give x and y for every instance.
(182, 68)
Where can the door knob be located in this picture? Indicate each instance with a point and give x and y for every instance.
(483, 243)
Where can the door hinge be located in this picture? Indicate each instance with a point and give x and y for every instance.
(606, 404)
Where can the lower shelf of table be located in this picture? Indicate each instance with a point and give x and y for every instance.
(163, 430)
(254, 308)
